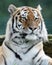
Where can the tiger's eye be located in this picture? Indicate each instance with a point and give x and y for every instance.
(18, 13)
(36, 18)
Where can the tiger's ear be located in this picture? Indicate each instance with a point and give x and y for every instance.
(11, 8)
(39, 8)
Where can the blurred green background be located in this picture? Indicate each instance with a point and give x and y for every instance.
(46, 11)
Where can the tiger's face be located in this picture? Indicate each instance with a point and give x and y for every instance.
(27, 21)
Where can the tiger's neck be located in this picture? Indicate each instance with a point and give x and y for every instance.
(23, 46)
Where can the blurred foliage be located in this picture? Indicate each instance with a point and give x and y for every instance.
(46, 11)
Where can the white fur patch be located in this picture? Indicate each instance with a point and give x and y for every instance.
(24, 14)
(35, 14)
(31, 37)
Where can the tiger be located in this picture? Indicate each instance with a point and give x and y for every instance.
(25, 34)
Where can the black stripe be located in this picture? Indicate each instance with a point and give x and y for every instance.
(13, 25)
(12, 22)
(5, 62)
(14, 41)
(41, 62)
(36, 54)
(16, 55)
(31, 47)
(16, 22)
(39, 59)
(14, 31)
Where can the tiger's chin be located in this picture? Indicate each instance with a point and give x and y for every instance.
(31, 37)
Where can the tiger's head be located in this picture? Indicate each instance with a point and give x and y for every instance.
(28, 22)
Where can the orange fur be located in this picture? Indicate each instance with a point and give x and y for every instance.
(30, 21)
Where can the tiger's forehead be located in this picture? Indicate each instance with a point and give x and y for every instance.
(28, 16)
(25, 8)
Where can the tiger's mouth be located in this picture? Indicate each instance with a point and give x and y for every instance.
(23, 35)
(29, 36)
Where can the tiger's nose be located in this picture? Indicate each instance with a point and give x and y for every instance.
(32, 28)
